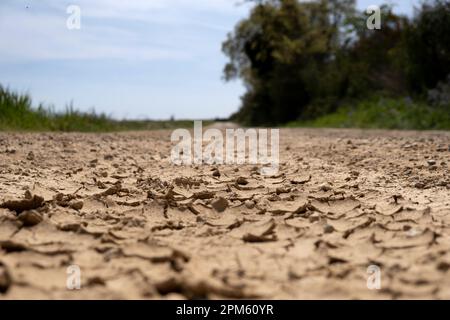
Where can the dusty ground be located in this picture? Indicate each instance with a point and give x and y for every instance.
(139, 227)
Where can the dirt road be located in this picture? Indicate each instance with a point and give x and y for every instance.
(113, 208)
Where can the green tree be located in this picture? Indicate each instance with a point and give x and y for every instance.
(281, 52)
(428, 46)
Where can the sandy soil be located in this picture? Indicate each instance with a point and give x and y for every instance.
(139, 227)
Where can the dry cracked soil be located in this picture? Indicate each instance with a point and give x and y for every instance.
(138, 227)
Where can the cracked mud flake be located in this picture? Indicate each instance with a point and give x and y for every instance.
(47, 279)
(335, 207)
(261, 231)
(347, 226)
(228, 221)
(46, 238)
(133, 283)
(29, 202)
(301, 179)
(362, 253)
(296, 206)
(388, 209)
(187, 194)
(196, 287)
(410, 239)
(412, 215)
(154, 253)
(33, 259)
(300, 223)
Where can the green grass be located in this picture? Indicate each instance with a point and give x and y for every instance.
(382, 113)
(18, 114)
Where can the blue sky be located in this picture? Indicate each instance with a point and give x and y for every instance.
(130, 59)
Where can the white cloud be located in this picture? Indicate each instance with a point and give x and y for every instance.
(111, 29)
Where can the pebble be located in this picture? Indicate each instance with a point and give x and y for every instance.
(249, 204)
(30, 156)
(325, 187)
(419, 185)
(5, 279)
(77, 205)
(242, 181)
(216, 173)
(30, 218)
(328, 229)
(220, 204)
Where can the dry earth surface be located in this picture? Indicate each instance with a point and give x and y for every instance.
(140, 228)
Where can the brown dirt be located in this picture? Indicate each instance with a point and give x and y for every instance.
(139, 227)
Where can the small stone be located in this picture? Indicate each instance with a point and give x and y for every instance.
(443, 266)
(30, 156)
(281, 190)
(314, 217)
(431, 162)
(93, 163)
(249, 204)
(242, 181)
(203, 195)
(419, 185)
(76, 205)
(328, 229)
(220, 204)
(5, 279)
(325, 187)
(30, 218)
(28, 195)
(108, 157)
(216, 173)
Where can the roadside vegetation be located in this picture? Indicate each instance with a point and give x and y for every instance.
(317, 63)
(383, 113)
(17, 113)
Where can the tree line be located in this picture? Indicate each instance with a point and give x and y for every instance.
(303, 60)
